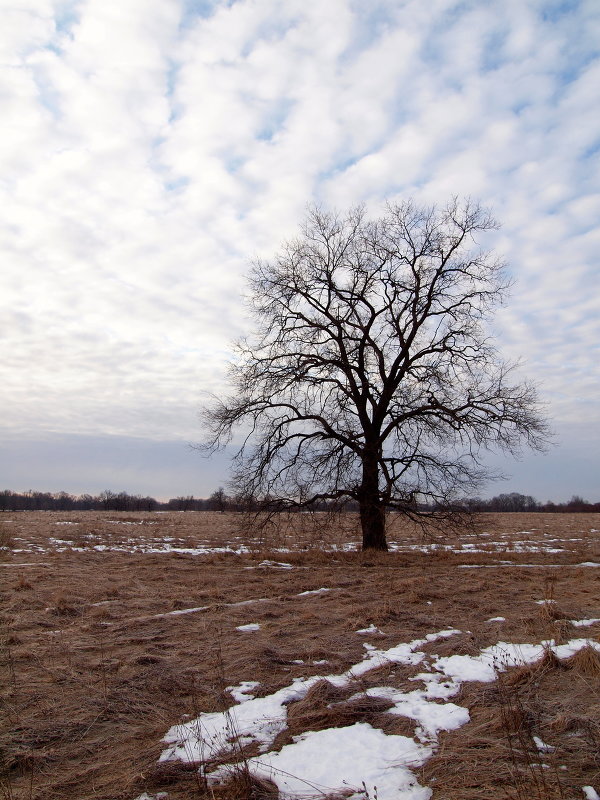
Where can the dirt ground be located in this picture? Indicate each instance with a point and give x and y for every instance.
(96, 667)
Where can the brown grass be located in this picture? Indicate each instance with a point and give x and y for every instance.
(94, 674)
(586, 662)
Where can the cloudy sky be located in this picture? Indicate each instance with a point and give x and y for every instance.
(150, 149)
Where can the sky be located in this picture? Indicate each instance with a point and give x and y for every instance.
(150, 150)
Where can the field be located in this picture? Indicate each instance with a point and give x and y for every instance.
(177, 656)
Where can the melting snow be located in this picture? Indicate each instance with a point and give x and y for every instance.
(590, 793)
(257, 720)
(371, 629)
(352, 757)
(542, 746)
(432, 717)
(358, 755)
(241, 693)
(178, 612)
(159, 796)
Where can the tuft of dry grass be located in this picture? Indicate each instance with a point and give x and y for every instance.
(242, 785)
(531, 674)
(586, 662)
(327, 706)
(22, 584)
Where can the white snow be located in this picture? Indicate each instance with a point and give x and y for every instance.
(580, 623)
(542, 746)
(247, 602)
(241, 693)
(371, 629)
(180, 611)
(249, 628)
(313, 591)
(431, 717)
(466, 668)
(146, 796)
(499, 657)
(400, 654)
(344, 758)
(496, 619)
(590, 793)
(347, 758)
(257, 720)
(570, 648)
(261, 719)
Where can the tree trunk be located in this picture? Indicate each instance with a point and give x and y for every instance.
(372, 510)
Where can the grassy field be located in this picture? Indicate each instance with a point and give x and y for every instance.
(98, 660)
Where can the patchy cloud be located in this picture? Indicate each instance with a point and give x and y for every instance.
(149, 150)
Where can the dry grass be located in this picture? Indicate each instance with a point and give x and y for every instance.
(556, 701)
(95, 670)
(6, 541)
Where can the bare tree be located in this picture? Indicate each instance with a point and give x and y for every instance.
(371, 375)
(218, 501)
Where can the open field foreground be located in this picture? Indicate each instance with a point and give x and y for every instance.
(174, 656)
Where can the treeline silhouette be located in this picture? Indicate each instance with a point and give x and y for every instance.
(108, 501)
(521, 502)
(220, 501)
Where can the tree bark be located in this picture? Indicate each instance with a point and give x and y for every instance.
(372, 510)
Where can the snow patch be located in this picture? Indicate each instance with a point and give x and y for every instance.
(241, 693)
(357, 757)
(371, 629)
(542, 746)
(590, 793)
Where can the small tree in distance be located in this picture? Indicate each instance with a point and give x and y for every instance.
(370, 375)
(218, 501)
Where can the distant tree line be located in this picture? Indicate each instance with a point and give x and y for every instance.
(522, 502)
(220, 501)
(109, 501)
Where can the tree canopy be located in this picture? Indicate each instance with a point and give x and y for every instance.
(371, 374)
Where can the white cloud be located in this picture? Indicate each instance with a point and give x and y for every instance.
(144, 161)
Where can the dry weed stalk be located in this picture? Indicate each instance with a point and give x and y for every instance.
(530, 775)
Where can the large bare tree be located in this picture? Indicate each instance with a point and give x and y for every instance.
(371, 374)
